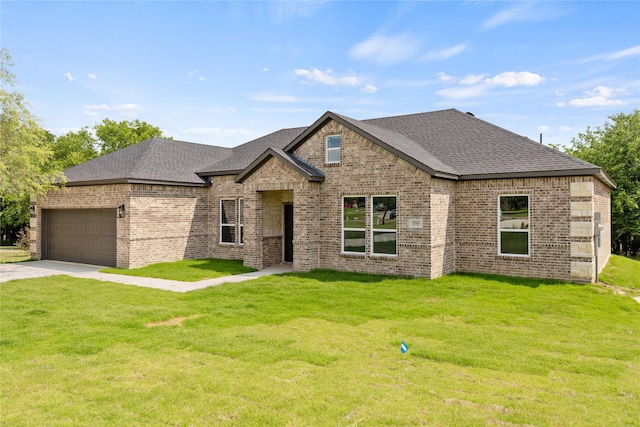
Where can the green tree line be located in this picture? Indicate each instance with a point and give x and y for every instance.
(615, 147)
(32, 159)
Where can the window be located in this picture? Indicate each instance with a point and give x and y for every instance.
(240, 221)
(333, 149)
(384, 228)
(353, 224)
(227, 221)
(513, 225)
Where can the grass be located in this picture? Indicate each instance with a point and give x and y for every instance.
(187, 270)
(13, 254)
(321, 348)
(622, 271)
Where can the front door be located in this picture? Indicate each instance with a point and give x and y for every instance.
(288, 232)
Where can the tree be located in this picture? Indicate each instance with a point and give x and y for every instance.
(616, 148)
(25, 154)
(24, 147)
(73, 148)
(116, 135)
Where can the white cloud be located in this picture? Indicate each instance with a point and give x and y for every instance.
(369, 88)
(125, 110)
(543, 128)
(445, 77)
(386, 50)
(201, 79)
(445, 53)
(526, 12)
(514, 13)
(612, 56)
(511, 78)
(600, 96)
(265, 69)
(285, 10)
(328, 77)
(69, 76)
(472, 79)
(92, 76)
(476, 84)
(632, 51)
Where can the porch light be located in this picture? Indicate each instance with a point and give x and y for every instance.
(32, 211)
(121, 211)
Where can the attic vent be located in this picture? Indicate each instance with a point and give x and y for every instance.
(471, 114)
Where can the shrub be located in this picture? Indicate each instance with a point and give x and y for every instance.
(24, 239)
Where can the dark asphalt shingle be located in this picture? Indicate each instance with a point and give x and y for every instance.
(156, 159)
(446, 143)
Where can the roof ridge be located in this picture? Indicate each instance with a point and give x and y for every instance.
(411, 114)
(147, 144)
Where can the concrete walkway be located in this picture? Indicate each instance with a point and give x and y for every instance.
(34, 269)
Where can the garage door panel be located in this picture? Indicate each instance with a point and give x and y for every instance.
(80, 235)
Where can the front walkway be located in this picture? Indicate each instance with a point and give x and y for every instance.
(34, 269)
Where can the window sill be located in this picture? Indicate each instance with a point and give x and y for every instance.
(384, 257)
(352, 255)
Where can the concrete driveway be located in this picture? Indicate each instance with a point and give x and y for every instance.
(34, 269)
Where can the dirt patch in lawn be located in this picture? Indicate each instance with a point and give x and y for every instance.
(176, 321)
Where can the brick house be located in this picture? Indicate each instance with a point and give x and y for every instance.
(422, 195)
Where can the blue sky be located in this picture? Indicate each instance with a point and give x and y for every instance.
(224, 73)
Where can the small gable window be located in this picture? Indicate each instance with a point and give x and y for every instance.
(333, 143)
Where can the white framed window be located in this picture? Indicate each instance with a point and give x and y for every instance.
(228, 221)
(384, 229)
(354, 224)
(333, 143)
(513, 225)
(240, 221)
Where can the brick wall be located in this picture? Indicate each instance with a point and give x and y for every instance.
(602, 204)
(222, 187)
(161, 223)
(86, 197)
(168, 223)
(366, 169)
(560, 247)
(442, 238)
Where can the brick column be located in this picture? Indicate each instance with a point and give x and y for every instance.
(253, 228)
(581, 237)
(306, 211)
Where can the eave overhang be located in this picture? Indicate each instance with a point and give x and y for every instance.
(134, 181)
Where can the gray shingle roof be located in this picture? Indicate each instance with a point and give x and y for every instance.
(447, 143)
(154, 160)
(474, 148)
(246, 153)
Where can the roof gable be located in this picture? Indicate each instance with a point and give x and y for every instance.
(296, 163)
(242, 155)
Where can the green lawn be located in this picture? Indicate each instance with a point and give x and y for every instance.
(319, 349)
(190, 270)
(622, 271)
(13, 254)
